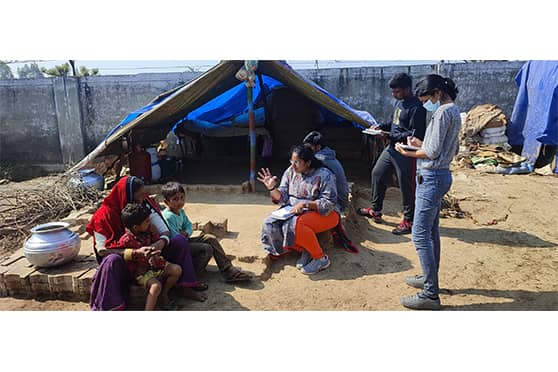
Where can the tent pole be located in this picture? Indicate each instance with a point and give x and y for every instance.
(252, 134)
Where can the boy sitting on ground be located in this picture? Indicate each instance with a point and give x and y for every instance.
(144, 262)
(202, 247)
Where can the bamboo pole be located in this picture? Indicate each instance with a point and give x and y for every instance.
(252, 134)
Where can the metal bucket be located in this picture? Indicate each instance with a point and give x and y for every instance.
(88, 178)
(51, 244)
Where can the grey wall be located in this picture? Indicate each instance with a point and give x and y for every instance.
(367, 88)
(57, 120)
(106, 100)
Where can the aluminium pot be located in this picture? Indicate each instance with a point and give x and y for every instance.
(52, 244)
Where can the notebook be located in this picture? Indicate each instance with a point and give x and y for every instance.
(372, 132)
(409, 148)
(283, 213)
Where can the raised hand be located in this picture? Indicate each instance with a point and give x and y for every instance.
(265, 177)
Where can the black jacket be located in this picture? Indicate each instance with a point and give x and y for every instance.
(408, 115)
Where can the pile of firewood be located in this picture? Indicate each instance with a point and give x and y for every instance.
(22, 209)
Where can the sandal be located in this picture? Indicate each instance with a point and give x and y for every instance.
(238, 276)
(369, 213)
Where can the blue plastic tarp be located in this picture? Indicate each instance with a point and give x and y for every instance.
(230, 108)
(534, 120)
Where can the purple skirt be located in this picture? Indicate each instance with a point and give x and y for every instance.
(111, 282)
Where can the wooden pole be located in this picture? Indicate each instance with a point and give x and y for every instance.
(252, 134)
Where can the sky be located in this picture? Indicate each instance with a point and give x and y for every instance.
(123, 67)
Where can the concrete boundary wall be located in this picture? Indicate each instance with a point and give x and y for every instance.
(53, 121)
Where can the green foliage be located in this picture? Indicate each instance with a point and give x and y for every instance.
(30, 71)
(64, 70)
(84, 71)
(5, 71)
(58, 70)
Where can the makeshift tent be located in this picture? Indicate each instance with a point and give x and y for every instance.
(214, 104)
(534, 121)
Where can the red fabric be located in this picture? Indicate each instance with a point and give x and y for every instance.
(307, 226)
(140, 266)
(107, 219)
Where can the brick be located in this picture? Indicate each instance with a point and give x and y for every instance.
(217, 228)
(17, 278)
(3, 289)
(13, 257)
(82, 284)
(61, 278)
(39, 283)
(86, 248)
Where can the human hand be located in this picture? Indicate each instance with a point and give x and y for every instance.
(265, 177)
(142, 253)
(401, 150)
(299, 208)
(414, 141)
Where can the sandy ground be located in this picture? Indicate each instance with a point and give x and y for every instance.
(511, 265)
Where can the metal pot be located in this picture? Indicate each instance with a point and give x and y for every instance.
(51, 244)
(88, 178)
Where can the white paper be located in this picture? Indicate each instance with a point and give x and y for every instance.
(372, 132)
(283, 213)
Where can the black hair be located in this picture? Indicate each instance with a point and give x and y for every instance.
(401, 80)
(314, 138)
(430, 83)
(170, 189)
(134, 214)
(306, 154)
(133, 185)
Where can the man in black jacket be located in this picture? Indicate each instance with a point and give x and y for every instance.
(409, 119)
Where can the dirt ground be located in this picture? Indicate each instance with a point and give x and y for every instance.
(509, 265)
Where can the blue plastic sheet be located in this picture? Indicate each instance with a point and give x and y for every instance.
(534, 120)
(231, 107)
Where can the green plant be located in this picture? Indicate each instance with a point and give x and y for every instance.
(5, 71)
(29, 71)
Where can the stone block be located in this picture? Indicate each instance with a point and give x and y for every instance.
(13, 258)
(61, 278)
(39, 283)
(16, 278)
(82, 284)
(3, 289)
(218, 228)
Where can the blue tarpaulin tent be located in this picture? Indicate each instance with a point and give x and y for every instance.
(534, 120)
(216, 99)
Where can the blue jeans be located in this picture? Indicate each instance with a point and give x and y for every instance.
(432, 185)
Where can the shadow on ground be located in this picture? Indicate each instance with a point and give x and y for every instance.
(519, 300)
(496, 236)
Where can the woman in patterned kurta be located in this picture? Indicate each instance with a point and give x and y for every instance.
(310, 189)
